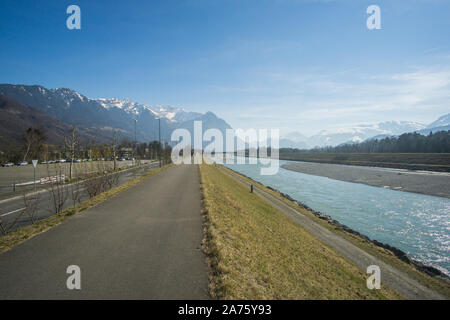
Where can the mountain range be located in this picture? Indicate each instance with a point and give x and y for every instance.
(16, 118)
(361, 133)
(56, 110)
(65, 107)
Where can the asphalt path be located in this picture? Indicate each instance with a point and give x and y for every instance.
(144, 243)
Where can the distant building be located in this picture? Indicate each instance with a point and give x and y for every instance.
(126, 152)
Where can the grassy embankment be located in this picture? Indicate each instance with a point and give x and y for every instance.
(257, 252)
(412, 161)
(20, 235)
(439, 285)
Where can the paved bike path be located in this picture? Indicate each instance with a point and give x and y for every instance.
(144, 243)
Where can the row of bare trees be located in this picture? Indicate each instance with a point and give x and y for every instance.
(101, 177)
(102, 181)
(34, 145)
(93, 182)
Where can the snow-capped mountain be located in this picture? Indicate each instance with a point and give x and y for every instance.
(73, 108)
(362, 132)
(442, 121)
(125, 105)
(296, 136)
(168, 112)
(359, 133)
(294, 140)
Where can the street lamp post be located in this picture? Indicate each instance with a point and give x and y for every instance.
(160, 146)
(34, 174)
(135, 143)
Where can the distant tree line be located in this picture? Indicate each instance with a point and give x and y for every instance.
(438, 142)
(34, 146)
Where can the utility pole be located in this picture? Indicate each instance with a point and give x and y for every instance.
(160, 146)
(114, 148)
(135, 144)
(34, 174)
(71, 143)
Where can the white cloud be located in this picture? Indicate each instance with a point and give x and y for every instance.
(318, 101)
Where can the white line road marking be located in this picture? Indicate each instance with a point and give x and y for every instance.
(5, 214)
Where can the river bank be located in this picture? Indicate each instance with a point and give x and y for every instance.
(334, 233)
(429, 183)
(410, 161)
(255, 251)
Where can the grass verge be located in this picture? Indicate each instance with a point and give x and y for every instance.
(256, 252)
(440, 285)
(20, 235)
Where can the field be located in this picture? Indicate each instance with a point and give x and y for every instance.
(256, 252)
(411, 161)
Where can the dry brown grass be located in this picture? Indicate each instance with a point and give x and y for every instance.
(257, 252)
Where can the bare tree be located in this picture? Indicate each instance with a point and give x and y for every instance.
(28, 138)
(71, 143)
(31, 206)
(102, 179)
(6, 227)
(94, 185)
(57, 190)
(76, 189)
(33, 139)
(167, 152)
(155, 148)
(114, 148)
(111, 179)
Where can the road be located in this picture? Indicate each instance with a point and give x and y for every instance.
(12, 210)
(395, 278)
(144, 243)
(21, 177)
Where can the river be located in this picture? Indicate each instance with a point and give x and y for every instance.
(415, 223)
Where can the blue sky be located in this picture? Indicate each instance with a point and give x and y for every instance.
(301, 65)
